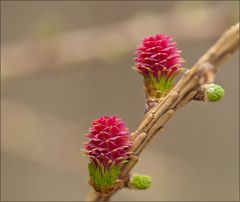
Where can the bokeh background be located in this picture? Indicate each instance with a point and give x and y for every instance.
(65, 63)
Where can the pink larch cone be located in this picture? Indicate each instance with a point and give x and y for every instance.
(158, 54)
(109, 141)
(108, 149)
(159, 61)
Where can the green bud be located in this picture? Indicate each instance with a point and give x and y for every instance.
(214, 92)
(141, 181)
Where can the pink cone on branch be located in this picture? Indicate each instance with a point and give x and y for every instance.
(159, 61)
(108, 148)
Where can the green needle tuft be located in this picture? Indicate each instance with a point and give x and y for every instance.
(101, 177)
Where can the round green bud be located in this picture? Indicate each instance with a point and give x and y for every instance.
(141, 181)
(214, 92)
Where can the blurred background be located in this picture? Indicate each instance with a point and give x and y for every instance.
(65, 63)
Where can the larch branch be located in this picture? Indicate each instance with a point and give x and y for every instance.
(201, 73)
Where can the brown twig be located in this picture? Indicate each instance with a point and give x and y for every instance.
(201, 73)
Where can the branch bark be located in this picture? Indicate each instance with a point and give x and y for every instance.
(201, 73)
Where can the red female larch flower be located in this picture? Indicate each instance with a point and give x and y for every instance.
(159, 61)
(108, 148)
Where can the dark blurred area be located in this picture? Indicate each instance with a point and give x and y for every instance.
(65, 63)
